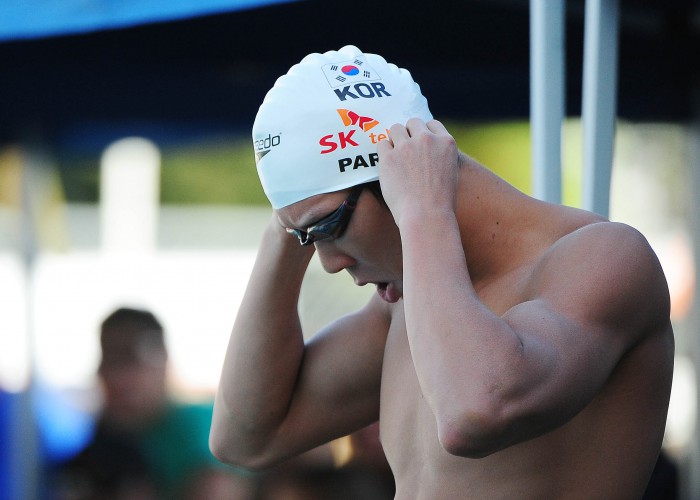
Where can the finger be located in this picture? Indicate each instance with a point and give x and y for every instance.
(415, 126)
(398, 133)
(384, 145)
(436, 127)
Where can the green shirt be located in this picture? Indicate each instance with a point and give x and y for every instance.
(177, 445)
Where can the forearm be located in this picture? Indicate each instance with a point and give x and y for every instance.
(265, 350)
(462, 351)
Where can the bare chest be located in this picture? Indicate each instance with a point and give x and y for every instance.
(408, 428)
(551, 466)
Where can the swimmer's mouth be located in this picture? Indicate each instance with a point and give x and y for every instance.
(379, 285)
(389, 292)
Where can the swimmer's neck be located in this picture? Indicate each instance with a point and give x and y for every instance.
(499, 224)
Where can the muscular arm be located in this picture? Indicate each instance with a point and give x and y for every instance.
(495, 380)
(492, 380)
(278, 397)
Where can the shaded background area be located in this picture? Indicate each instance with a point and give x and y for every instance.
(201, 77)
(205, 73)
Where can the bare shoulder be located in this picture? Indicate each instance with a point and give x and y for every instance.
(605, 274)
(360, 335)
(371, 321)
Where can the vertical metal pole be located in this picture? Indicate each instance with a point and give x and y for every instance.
(690, 472)
(25, 443)
(547, 83)
(599, 101)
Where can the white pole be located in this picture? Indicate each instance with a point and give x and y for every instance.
(547, 82)
(690, 473)
(24, 441)
(599, 101)
(129, 196)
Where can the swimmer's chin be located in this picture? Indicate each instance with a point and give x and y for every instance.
(389, 292)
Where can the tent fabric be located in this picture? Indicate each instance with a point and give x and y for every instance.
(28, 19)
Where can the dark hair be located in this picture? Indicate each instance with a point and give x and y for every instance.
(134, 321)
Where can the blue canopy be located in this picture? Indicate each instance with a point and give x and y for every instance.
(26, 19)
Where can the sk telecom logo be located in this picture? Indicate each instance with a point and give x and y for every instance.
(344, 139)
(351, 118)
(349, 72)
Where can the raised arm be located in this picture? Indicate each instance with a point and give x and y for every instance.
(496, 379)
(278, 397)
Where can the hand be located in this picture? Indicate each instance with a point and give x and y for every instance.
(418, 168)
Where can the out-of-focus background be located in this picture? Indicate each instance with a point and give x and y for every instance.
(127, 176)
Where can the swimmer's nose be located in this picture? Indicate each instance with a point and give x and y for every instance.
(332, 260)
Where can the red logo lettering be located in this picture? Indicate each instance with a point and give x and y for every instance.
(326, 141)
(346, 139)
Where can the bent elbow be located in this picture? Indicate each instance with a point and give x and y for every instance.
(219, 449)
(471, 434)
(231, 453)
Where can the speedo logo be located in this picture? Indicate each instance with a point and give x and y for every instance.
(265, 145)
(344, 139)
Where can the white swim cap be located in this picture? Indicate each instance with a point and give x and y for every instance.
(318, 127)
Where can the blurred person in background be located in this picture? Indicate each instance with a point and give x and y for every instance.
(146, 444)
(514, 349)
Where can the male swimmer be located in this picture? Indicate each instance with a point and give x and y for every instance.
(515, 348)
